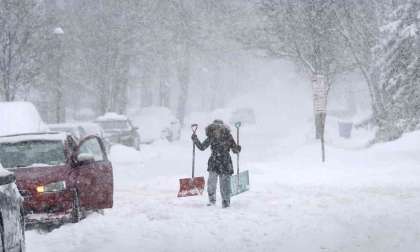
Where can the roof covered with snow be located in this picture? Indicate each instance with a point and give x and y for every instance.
(20, 117)
(63, 125)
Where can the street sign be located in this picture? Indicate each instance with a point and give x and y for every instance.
(320, 91)
(320, 94)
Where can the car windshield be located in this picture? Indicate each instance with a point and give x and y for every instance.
(114, 125)
(32, 153)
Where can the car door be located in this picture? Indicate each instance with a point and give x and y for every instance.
(94, 181)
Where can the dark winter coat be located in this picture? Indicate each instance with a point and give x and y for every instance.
(221, 142)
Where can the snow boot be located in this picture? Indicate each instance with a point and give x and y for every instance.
(225, 204)
(211, 203)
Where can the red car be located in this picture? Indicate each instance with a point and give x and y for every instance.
(59, 178)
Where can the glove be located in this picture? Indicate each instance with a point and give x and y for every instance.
(194, 137)
(237, 149)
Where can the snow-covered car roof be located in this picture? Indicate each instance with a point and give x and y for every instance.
(111, 116)
(20, 117)
(73, 129)
(63, 125)
(91, 127)
(88, 128)
(47, 136)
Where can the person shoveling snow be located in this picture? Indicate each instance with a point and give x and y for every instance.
(220, 163)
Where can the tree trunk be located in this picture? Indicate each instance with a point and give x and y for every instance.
(214, 88)
(164, 87)
(59, 107)
(146, 95)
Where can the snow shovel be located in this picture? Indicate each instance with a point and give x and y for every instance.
(239, 182)
(195, 185)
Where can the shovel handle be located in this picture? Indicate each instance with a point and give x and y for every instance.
(194, 127)
(237, 125)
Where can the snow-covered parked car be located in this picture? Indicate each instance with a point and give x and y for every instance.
(157, 123)
(12, 224)
(90, 128)
(20, 117)
(71, 128)
(59, 178)
(80, 130)
(119, 129)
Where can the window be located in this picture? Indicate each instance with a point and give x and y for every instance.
(92, 147)
(32, 153)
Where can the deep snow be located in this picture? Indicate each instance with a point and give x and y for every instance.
(360, 200)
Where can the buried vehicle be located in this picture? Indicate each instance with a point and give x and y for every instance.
(59, 178)
(119, 129)
(12, 223)
(80, 130)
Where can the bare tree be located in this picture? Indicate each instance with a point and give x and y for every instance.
(305, 32)
(21, 37)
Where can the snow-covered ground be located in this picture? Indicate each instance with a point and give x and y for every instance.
(359, 200)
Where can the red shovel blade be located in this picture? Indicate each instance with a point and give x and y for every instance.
(191, 186)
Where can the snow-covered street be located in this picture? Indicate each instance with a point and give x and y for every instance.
(108, 107)
(360, 200)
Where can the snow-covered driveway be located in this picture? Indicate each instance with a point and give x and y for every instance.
(360, 200)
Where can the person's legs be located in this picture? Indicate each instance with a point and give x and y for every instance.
(211, 187)
(225, 189)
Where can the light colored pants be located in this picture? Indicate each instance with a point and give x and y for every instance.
(224, 187)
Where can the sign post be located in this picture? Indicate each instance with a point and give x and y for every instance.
(320, 91)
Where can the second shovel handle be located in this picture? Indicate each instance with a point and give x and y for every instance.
(237, 125)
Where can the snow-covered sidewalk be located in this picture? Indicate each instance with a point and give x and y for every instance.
(360, 200)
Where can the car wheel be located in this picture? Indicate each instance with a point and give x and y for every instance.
(76, 212)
